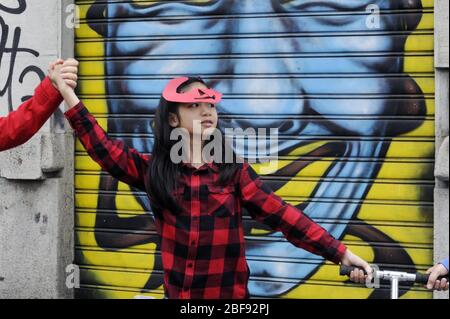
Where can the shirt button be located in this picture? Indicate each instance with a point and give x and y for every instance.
(190, 265)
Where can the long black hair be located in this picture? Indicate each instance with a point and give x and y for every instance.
(163, 175)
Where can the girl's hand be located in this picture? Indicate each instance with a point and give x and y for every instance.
(63, 74)
(51, 73)
(435, 272)
(356, 275)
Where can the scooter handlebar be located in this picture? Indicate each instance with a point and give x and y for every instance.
(423, 278)
(420, 277)
(346, 270)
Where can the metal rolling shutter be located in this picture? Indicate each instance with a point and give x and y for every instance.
(357, 144)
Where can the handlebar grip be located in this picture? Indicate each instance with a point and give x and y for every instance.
(423, 278)
(346, 270)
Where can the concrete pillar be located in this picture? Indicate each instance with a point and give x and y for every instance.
(441, 202)
(36, 179)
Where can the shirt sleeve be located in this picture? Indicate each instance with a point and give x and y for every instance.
(122, 162)
(20, 125)
(445, 263)
(299, 229)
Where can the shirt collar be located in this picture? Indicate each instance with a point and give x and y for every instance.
(211, 165)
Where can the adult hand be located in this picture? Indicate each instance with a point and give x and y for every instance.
(63, 74)
(433, 281)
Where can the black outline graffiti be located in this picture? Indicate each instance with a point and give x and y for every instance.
(13, 51)
(21, 7)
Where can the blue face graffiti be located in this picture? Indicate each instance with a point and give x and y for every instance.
(303, 67)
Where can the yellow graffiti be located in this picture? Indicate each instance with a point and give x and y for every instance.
(423, 235)
(123, 274)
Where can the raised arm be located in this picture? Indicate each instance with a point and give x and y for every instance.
(122, 162)
(20, 125)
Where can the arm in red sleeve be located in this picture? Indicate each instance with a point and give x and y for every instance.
(299, 229)
(19, 126)
(122, 162)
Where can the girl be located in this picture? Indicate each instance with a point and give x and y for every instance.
(198, 204)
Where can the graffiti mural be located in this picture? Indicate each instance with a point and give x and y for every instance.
(8, 55)
(348, 84)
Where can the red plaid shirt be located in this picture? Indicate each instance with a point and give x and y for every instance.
(203, 249)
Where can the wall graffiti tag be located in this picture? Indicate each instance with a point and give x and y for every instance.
(14, 33)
